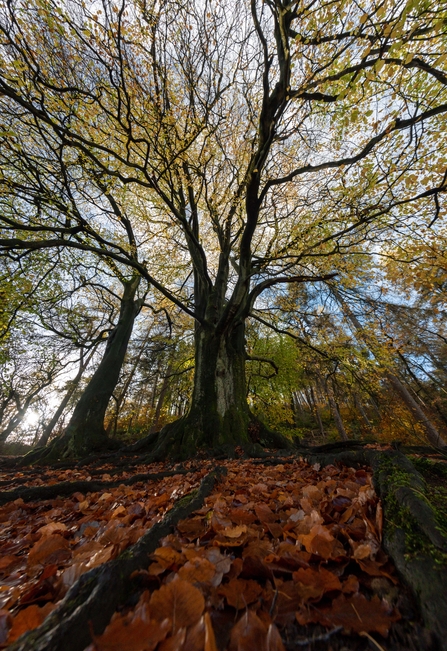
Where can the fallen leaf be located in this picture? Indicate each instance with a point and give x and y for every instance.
(321, 580)
(265, 513)
(250, 633)
(210, 638)
(318, 541)
(239, 593)
(167, 557)
(174, 642)
(50, 528)
(362, 551)
(28, 619)
(373, 568)
(50, 550)
(133, 635)
(197, 570)
(7, 563)
(351, 584)
(355, 613)
(241, 516)
(178, 600)
(234, 532)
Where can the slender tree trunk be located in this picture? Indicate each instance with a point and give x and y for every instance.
(317, 413)
(161, 398)
(298, 404)
(120, 400)
(432, 433)
(64, 402)
(14, 422)
(335, 413)
(360, 409)
(17, 419)
(85, 431)
(337, 418)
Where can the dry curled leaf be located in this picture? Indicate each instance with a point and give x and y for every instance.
(318, 541)
(50, 550)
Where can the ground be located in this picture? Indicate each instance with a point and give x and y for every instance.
(285, 552)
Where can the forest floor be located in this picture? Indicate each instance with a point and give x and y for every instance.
(286, 552)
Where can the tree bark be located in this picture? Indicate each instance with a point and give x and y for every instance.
(85, 431)
(113, 424)
(337, 418)
(219, 417)
(219, 413)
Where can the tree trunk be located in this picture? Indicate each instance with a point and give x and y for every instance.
(113, 424)
(13, 423)
(336, 413)
(85, 431)
(317, 413)
(360, 409)
(432, 433)
(337, 418)
(160, 401)
(219, 413)
(219, 417)
(64, 402)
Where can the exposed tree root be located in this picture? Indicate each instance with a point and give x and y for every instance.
(30, 494)
(176, 439)
(93, 599)
(59, 449)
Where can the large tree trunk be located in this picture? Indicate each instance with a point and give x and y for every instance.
(219, 417)
(219, 413)
(85, 431)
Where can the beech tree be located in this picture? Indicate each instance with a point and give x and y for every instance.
(245, 145)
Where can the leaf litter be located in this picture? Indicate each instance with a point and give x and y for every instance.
(273, 549)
